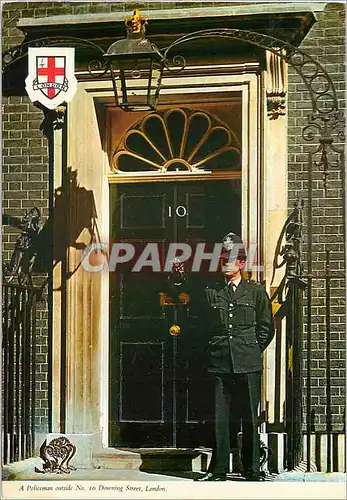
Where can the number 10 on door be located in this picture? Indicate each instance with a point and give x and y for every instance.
(180, 211)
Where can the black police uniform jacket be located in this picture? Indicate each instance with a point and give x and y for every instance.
(239, 326)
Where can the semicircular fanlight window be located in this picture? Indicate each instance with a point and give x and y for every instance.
(178, 139)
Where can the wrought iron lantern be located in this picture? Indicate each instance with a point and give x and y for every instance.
(136, 66)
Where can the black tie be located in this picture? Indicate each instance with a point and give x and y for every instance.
(232, 288)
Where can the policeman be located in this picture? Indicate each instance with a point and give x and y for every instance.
(239, 318)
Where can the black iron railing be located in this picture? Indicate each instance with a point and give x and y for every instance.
(19, 299)
(19, 368)
(294, 310)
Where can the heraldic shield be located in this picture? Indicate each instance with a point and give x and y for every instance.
(50, 75)
(51, 79)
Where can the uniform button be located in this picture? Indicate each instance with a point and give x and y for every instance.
(230, 336)
(231, 305)
(230, 315)
(230, 326)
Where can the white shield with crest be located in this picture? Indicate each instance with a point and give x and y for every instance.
(51, 75)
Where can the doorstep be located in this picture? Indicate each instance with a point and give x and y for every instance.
(151, 459)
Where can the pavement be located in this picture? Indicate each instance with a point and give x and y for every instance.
(25, 471)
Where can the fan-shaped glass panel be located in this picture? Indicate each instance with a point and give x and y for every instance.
(229, 159)
(156, 132)
(176, 122)
(130, 163)
(138, 144)
(179, 139)
(198, 128)
(215, 142)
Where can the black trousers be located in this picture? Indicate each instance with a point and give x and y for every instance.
(237, 397)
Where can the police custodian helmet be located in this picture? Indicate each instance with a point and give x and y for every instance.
(233, 247)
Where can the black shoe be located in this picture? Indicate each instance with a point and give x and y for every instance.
(210, 476)
(254, 477)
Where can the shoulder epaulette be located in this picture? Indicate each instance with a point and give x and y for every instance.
(258, 283)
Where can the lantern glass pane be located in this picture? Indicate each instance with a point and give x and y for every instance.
(136, 83)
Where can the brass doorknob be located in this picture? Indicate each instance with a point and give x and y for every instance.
(174, 330)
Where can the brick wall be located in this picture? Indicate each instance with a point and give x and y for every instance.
(26, 178)
(326, 43)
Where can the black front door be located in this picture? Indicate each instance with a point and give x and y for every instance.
(160, 394)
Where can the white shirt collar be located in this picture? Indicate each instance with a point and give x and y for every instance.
(236, 282)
